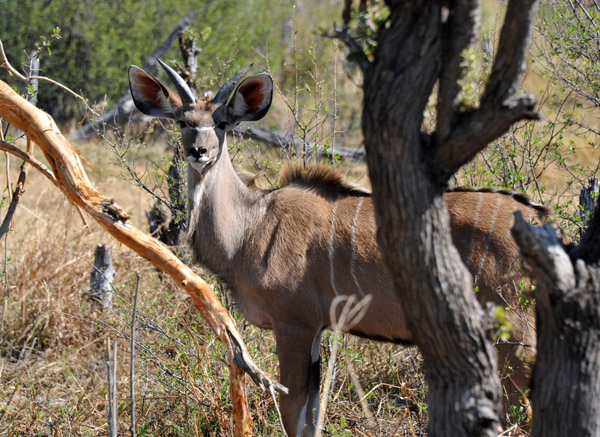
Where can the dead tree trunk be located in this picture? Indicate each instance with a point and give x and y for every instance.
(420, 46)
(103, 274)
(169, 225)
(190, 51)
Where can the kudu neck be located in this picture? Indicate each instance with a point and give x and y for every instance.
(222, 208)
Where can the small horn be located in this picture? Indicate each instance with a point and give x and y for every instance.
(186, 94)
(226, 90)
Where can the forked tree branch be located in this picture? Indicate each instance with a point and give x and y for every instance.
(500, 105)
(7, 147)
(76, 186)
(461, 29)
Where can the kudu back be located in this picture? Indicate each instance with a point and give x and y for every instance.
(286, 253)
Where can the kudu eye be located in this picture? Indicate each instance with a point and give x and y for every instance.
(181, 123)
(222, 125)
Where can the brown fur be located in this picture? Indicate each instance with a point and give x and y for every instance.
(519, 197)
(287, 253)
(321, 178)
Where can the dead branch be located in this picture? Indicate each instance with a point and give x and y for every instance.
(76, 186)
(15, 200)
(7, 147)
(121, 112)
(27, 79)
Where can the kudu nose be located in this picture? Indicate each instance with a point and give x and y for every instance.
(197, 152)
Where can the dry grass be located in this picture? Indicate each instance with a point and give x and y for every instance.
(53, 341)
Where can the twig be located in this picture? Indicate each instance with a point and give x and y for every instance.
(30, 160)
(110, 393)
(277, 410)
(410, 422)
(15, 200)
(7, 167)
(356, 52)
(359, 390)
(113, 431)
(132, 357)
(12, 71)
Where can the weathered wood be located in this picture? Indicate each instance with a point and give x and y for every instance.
(76, 186)
(121, 112)
(566, 378)
(190, 51)
(289, 141)
(103, 273)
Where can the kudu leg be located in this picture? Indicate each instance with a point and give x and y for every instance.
(515, 373)
(298, 350)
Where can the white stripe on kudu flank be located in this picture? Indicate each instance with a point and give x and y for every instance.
(353, 259)
(331, 243)
(488, 238)
(475, 223)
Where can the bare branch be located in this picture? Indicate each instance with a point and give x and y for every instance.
(500, 104)
(7, 147)
(356, 54)
(544, 252)
(15, 200)
(123, 109)
(132, 430)
(475, 130)
(505, 80)
(11, 70)
(287, 140)
(462, 27)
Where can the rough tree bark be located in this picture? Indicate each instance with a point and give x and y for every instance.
(103, 273)
(421, 46)
(566, 377)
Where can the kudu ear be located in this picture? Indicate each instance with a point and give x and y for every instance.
(152, 96)
(252, 98)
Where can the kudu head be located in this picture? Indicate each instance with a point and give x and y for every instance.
(203, 121)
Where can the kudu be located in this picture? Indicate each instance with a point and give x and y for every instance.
(286, 253)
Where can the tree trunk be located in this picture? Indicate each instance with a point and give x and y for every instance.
(421, 45)
(414, 235)
(566, 377)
